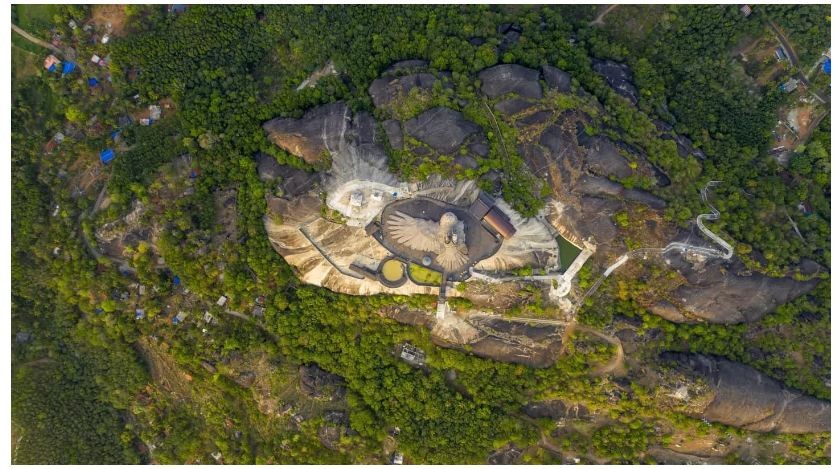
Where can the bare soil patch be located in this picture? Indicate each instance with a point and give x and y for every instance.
(110, 14)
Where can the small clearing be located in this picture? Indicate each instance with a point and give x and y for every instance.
(24, 63)
(328, 69)
(600, 19)
(113, 15)
(164, 370)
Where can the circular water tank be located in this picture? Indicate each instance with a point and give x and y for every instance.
(426, 261)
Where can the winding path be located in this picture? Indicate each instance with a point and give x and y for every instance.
(616, 365)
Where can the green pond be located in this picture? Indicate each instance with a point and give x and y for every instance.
(568, 251)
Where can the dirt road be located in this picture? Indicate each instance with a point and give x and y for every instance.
(35, 40)
(599, 21)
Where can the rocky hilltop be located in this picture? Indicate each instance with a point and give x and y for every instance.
(743, 397)
(725, 293)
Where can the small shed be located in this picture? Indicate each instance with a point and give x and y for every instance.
(107, 155)
(221, 301)
(181, 316)
(789, 85)
(51, 63)
(780, 54)
(68, 68)
(140, 313)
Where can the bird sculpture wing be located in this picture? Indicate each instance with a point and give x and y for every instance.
(415, 233)
(452, 257)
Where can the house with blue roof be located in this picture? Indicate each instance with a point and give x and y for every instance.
(107, 155)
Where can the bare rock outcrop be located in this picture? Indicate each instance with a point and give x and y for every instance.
(385, 90)
(312, 136)
(291, 182)
(511, 78)
(716, 293)
(599, 186)
(743, 397)
(441, 128)
(618, 76)
(557, 78)
(395, 136)
(509, 454)
(603, 159)
(318, 383)
(510, 107)
(498, 339)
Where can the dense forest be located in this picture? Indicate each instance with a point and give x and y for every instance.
(82, 388)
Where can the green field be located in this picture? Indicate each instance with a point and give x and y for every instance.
(24, 63)
(422, 274)
(34, 18)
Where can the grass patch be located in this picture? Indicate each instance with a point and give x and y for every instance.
(34, 18)
(567, 252)
(421, 274)
(24, 64)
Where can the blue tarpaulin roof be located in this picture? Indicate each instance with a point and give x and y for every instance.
(176, 280)
(107, 155)
(826, 66)
(51, 68)
(92, 81)
(68, 67)
(115, 133)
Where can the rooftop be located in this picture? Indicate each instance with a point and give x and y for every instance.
(478, 241)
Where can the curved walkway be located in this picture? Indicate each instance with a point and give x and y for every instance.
(616, 365)
(671, 247)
